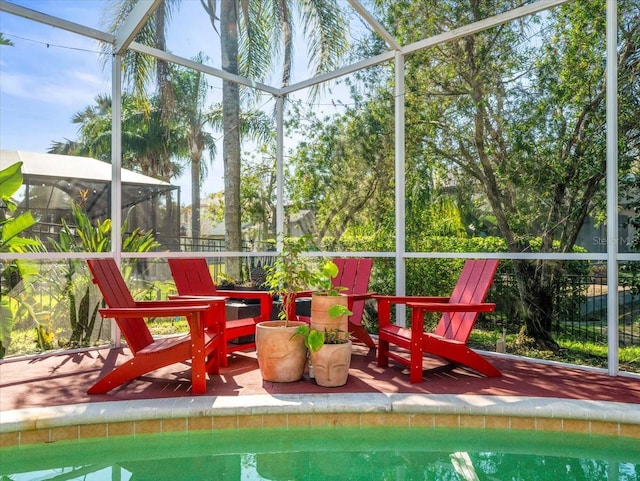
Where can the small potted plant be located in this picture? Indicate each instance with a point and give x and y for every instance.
(329, 352)
(328, 306)
(281, 356)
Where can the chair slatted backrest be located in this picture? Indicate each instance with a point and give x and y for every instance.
(472, 288)
(192, 276)
(354, 274)
(116, 294)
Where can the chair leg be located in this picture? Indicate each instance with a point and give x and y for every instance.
(478, 363)
(416, 353)
(383, 348)
(359, 332)
(461, 354)
(223, 358)
(119, 376)
(198, 355)
(213, 363)
(130, 370)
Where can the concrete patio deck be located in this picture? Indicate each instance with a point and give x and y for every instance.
(63, 379)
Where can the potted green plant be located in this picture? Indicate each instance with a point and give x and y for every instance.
(281, 355)
(329, 352)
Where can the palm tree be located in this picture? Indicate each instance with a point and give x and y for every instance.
(190, 89)
(144, 142)
(5, 41)
(253, 36)
(139, 69)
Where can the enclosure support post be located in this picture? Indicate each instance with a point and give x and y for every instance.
(400, 186)
(279, 170)
(612, 187)
(116, 171)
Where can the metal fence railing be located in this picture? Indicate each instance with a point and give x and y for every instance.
(581, 312)
(581, 309)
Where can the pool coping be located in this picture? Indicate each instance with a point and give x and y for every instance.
(17, 427)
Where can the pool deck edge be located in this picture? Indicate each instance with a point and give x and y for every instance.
(316, 404)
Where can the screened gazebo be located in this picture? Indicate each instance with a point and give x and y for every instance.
(53, 182)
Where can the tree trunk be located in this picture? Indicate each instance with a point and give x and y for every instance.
(536, 289)
(231, 141)
(163, 74)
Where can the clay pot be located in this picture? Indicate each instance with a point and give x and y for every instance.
(331, 364)
(320, 319)
(281, 358)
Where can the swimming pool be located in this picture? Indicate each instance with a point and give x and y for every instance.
(211, 431)
(328, 453)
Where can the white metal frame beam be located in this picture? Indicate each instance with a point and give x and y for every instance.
(400, 220)
(169, 57)
(55, 22)
(134, 23)
(373, 22)
(341, 72)
(482, 25)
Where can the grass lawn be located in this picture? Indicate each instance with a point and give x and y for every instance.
(571, 351)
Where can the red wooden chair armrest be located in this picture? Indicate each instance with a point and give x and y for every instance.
(194, 298)
(123, 312)
(360, 297)
(446, 307)
(407, 299)
(262, 295)
(265, 298)
(304, 294)
(181, 302)
(385, 302)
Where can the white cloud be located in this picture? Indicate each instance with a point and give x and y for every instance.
(74, 88)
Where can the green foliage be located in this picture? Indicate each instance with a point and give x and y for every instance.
(78, 293)
(10, 241)
(630, 271)
(12, 226)
(146, 140)
(338, 310)
(315, 339)
(290, 272)
(322, 280)
(343, 171)
(513, 126)
(14, 276)
(5, 41)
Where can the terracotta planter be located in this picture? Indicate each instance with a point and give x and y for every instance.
(331, 364)
(320, 319)
(281, 359)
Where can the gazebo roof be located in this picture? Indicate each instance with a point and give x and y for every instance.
(70, 167)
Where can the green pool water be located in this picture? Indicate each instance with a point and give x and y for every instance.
(331, 454)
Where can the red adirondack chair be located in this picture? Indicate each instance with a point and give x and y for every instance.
(193, 280)
(201, 346)
(353, 274)
(449, 340)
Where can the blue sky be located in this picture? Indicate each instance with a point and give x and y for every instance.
(50, 74)
(45, 78)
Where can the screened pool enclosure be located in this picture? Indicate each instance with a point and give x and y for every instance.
(418, 135)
